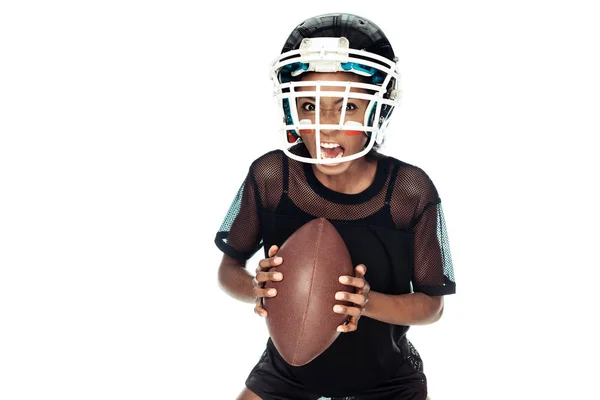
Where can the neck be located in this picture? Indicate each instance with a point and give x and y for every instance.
(358, 177)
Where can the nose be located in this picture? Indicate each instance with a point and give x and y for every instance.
(329, 117)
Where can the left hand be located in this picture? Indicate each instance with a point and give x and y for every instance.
(360, 298)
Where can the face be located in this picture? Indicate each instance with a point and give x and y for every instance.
(333, 142)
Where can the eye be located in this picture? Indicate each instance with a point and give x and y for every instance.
(308, 106)
(351, 107)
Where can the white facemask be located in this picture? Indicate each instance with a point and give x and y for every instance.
(333, 55)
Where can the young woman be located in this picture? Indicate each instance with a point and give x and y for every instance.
(338, 84)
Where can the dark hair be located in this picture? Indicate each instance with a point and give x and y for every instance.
(374, 152)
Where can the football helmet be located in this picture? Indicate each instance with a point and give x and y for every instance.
(343, 43)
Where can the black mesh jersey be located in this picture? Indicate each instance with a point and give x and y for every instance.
(395, 228)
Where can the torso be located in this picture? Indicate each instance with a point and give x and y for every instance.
(367, 356)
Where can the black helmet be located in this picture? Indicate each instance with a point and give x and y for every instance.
(361, 33)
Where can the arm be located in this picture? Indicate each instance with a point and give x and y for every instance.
(235, 280)
(397, 309)
(432, 273)
(404, 309)
(432, 269)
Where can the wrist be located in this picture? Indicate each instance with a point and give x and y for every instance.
(370, 307)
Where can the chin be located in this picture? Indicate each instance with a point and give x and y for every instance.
(333, 169)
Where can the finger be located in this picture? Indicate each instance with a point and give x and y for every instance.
(268, 276)
(268, 263)
(352, 281)
(352, 311)
(350, 326)
(259, 292)
(356, 298)
(258, 309)
(361, 270)
(273, 250)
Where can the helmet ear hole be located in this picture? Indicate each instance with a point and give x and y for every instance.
(292, 135)
(287, 114)
(370, 114)
(384, 116)
(386, 112)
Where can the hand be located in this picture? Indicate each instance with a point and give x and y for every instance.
(262, 276)
(360, 299)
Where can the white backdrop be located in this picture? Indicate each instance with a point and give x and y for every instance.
(126, 128)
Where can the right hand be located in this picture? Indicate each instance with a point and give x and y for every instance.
(263, 275)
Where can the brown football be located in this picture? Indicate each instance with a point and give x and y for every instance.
(300, 318)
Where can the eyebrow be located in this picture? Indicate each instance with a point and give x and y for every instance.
(338, 101)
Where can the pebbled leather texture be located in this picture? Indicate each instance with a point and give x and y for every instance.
(301, 320)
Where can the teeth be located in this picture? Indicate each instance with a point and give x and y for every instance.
(330, 146)
(341, 154)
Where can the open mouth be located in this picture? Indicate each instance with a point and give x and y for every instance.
(331, 150)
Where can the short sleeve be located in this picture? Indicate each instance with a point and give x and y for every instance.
(239, 235)
(433, 273)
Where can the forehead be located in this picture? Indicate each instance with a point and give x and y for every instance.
(341, 77)
(331, 76)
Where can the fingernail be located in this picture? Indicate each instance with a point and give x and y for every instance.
(337, 308)
(340, 329)
(278, 276)
(343, 279)
(339, 296)
(272, 292)
(278, 259)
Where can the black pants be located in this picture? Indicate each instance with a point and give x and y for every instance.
(407, 383)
